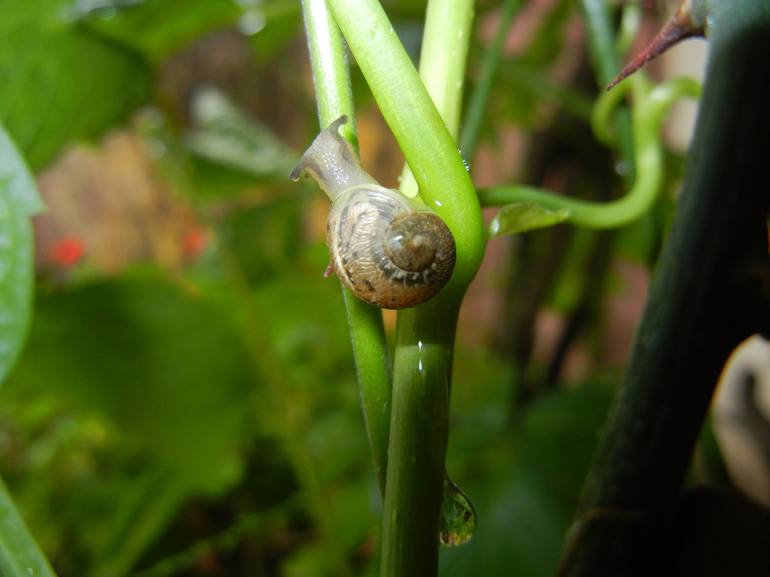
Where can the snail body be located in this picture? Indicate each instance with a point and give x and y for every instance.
(386, 249)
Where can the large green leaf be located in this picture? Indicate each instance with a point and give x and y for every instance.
(165, 368)
(18, 200)
(60, 81)
(163, 365)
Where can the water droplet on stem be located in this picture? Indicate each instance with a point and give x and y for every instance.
(458, 517)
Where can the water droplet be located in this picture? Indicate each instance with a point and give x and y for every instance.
(251, 22)
(419, 352)
(458, 517)
(622, 167)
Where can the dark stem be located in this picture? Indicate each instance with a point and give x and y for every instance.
(706, 297)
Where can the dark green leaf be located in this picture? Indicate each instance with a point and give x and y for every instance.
(164, 365)
(524, 216)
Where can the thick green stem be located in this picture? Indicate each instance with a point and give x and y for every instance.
(706, 297)
(418, 440)
(367, 335)
(443, 56)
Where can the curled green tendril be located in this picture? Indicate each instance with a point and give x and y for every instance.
(651, 103)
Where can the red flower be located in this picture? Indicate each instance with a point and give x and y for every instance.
(67, 251)
(194, 242)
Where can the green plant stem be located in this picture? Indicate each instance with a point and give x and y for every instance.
(445, 41)
(425, 334)
(367, 334)
(478, 101)
(444, 52)
(706, 297)
(652, 104)
(418, 439)
(601, 43)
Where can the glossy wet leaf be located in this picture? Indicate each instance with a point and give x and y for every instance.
(18, 201)
(62, 82)
(524, 216)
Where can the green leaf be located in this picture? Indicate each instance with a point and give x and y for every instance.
(159, 27)
(18, 200)
(19, 554)
(62, 83)
(524, 216)
(225, 134)
(164, 365)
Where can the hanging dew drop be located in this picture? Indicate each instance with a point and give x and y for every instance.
(458, 517)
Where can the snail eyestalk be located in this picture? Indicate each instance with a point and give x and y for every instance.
(331, 162)
(388, 251)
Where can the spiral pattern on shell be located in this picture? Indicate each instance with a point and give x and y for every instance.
(385, 251)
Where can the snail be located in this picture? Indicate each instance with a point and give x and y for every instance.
(384, 247)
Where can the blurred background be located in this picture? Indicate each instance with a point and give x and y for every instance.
(186, 403)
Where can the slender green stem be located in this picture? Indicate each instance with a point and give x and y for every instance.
(444, 54)
(651, 106)
(367, 335)
(601, 43)
(443, 57)
(629, 26)
(489, 65)
(329, 65)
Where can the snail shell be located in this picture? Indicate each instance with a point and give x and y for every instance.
(384, 248)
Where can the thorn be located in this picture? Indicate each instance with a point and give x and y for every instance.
(684, 24)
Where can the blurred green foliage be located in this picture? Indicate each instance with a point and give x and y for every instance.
(204, 419)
